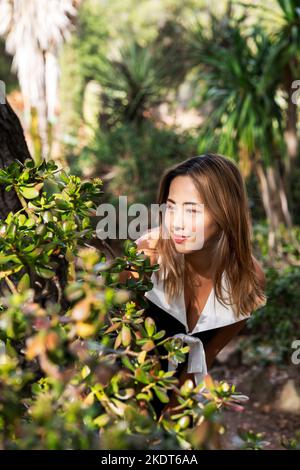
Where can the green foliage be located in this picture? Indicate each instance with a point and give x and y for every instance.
(53, 221)
(79, 61)
(137, 78)
(237, 80)
(136, 156)
(282, 20)
(91, 39)
(288, 242)
(291, 444)
(71, 87)
(6, 74)
(124, 19)
(274, 326)
(250, 440)
(134, 82)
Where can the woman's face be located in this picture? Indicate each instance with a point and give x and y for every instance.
(188, 222)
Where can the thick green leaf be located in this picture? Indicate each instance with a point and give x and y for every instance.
(44, 272)
(30, 193)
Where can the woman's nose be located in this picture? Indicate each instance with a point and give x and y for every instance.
(178, 220)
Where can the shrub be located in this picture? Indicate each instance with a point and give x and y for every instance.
(274, 327)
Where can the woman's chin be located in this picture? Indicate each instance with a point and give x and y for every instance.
(189, 246)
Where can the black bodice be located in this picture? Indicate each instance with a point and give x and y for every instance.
(165, 321)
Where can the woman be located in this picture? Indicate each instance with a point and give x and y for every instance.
(209, 282)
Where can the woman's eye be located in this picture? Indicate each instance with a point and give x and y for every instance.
(191, 211)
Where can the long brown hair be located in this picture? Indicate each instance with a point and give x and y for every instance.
(222, 189)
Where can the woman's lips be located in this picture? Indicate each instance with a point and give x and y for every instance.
(178, 239)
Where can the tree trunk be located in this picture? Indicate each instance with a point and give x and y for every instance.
(274, 200)
(12, 147)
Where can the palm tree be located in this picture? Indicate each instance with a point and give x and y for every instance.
(284, 24)
(240, 83)
(34, 31)
(138, 78)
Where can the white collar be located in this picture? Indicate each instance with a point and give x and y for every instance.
(214, 314)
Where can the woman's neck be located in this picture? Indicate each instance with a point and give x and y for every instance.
(201, 261)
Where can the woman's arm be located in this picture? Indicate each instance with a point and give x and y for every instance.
(220, 340)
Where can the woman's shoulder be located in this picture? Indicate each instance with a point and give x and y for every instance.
(147, 242)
